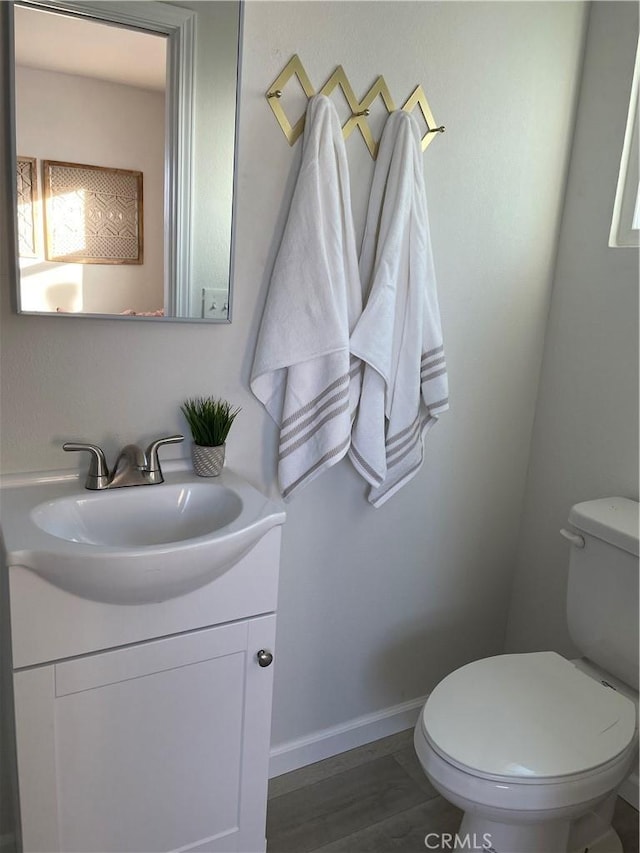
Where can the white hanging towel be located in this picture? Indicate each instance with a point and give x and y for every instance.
(398, 336)
(302, 370)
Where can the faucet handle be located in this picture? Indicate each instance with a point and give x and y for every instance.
(153, 463)
(98, 473)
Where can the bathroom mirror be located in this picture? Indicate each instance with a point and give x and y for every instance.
(125, 120)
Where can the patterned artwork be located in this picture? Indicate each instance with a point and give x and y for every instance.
(93, 214)
(27, 179)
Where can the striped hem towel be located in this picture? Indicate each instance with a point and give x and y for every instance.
(303, 372)
(399, 336)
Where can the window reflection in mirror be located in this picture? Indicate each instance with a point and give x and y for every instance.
(105, 215)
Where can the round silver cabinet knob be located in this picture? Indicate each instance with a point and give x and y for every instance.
(264, 658)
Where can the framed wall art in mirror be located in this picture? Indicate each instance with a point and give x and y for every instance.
(93, 214)
(122, 86)
(27, 201)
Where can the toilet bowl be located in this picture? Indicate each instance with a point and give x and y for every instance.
(533, 747)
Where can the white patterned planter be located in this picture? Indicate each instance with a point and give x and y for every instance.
(207, 461)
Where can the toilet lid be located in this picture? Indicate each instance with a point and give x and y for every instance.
(528, 715)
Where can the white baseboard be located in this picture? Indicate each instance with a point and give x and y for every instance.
(328, 742)
(7, 843)
(629, 790)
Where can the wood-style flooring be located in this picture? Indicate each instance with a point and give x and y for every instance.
(374, 799)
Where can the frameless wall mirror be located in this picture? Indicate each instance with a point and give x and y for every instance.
(125, 119)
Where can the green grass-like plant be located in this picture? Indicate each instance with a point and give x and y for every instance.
(209, 420)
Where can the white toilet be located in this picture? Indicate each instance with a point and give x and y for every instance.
(533, 747)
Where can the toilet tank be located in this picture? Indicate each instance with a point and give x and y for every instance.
(602, 592)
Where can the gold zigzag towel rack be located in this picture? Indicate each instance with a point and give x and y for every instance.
(360, 110)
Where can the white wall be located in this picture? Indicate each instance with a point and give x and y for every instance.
(585, 442)
(375, 605)
(95, 123)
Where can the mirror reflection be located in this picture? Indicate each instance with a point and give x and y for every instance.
(105, 157)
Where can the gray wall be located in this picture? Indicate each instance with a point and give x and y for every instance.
(375, 605)
(585, 441)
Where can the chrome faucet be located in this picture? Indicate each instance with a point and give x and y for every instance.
(134, 466)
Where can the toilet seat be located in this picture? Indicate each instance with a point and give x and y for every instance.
(527, 718)
(568, 795)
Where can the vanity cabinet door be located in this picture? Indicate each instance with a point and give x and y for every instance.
(162, 746)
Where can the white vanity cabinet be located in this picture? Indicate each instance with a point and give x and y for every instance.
(144, 727)
(159, 746)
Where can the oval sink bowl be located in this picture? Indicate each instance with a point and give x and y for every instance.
(135, 545)
(134, 518)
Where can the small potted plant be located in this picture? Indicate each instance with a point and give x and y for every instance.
(209, 420)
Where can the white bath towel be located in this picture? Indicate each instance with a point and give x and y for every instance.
(399, 336)
(302, 370)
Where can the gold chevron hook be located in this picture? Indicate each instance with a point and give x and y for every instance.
(293, 68)
(418, 99)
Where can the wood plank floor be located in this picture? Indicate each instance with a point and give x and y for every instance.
(375, 799)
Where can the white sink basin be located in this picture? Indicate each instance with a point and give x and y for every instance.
(136, 518)
(138, 544)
